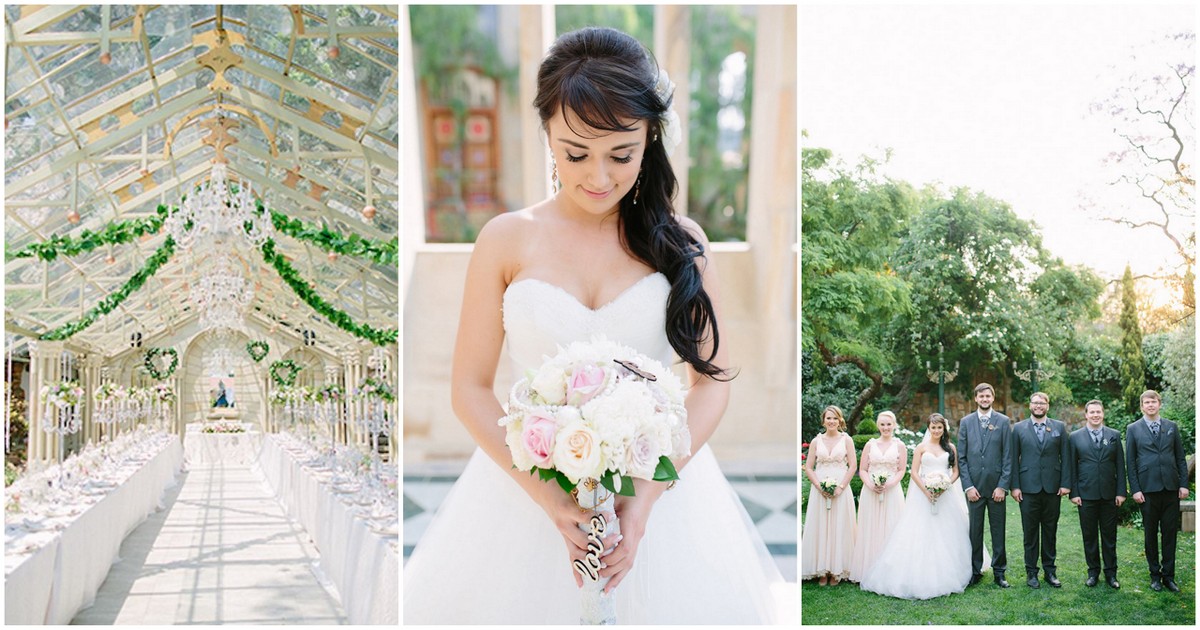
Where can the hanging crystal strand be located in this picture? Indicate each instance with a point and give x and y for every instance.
(8, 346)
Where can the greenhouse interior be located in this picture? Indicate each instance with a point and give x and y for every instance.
(201, 309)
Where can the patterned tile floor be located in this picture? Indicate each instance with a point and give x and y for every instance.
(767, 492)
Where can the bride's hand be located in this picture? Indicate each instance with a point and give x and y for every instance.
(567, 517)
(633, 514)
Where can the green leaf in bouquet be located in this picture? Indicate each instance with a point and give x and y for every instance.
(665, 470)
(545, 474)
(608, 482)
(564, 483)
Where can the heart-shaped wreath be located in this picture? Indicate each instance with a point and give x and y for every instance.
(284, 380)
(257, 350)
(151, 362)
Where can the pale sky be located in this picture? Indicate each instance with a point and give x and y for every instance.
(993, 98)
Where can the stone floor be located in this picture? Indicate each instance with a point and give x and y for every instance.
(223, 552)
(768, 492)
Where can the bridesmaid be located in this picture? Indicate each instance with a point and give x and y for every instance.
(829, 527)
(879, 506)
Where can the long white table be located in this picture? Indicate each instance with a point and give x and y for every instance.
(216, 448)
(362, 564)
(60, 578)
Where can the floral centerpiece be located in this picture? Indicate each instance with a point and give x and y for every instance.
(163, 393)
(223, 426)
(62, 402)
(592, 418)
(331, 393)
(936, 484)
(375, 388)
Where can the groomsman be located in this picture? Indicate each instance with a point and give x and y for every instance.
(1041, 476)
(985, 468)
(1158, 480)
(1098, 489)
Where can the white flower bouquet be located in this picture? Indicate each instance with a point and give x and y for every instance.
(62, 394)
(62, 404)
(598, 414)
(936, 484)
(880, 478)
(163, 393)
(829, 486)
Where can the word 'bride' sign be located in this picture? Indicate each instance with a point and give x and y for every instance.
(589, 567)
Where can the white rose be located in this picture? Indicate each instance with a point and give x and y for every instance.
(577, 453)
(652, 441)
(550, 384)
(512, 438)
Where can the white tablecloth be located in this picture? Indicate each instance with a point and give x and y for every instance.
(215, 448)
(62, 577)
(363, 565)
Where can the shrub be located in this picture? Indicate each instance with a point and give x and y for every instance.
(867, 426)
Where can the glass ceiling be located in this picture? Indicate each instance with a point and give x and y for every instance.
(112, 110)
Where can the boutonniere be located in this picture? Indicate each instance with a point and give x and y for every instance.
(1104, 441)
(991, 427)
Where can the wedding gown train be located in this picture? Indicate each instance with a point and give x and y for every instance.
(927, 555)
(491, 555)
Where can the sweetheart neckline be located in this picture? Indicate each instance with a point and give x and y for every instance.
(576, 300)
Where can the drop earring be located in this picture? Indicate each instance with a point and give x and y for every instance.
(554, 174)
(637, 188)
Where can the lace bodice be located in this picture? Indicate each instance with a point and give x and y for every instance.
(539, 317)
(885, 460)
(831, 460)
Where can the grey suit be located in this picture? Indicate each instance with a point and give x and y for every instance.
(1098, 478)
(1040, 467)
(1157, 469)
(984, 464)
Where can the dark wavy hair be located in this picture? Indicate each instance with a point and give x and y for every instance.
(605, 76)
(945, 441)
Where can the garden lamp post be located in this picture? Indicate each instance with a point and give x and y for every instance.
(1032, 374)
(941, 376)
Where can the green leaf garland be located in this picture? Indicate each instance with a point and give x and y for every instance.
(257, 350)
(337, 317)
(330, 241)
(152, 367)
(114, 299)
(284, 380)
(112, 234)
(116, 233)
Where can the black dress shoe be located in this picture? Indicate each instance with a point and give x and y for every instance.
(975, 579)
(1171, 585)
(1092, 581)
(1001, 582)
(1033, 582)
(1155, 584)
(1053, 581)
(1112, 581)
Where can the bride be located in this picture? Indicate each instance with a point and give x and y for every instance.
(605, 254)
(907, 567)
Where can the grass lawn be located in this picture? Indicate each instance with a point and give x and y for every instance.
(986, 603)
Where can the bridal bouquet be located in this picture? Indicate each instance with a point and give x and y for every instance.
(597, 415)
(936, 484)
(829, 486)
(880, 478)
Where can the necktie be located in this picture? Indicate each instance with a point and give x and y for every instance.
(1040, 429)
(1154, 429)
(1096, 438)
(983, 421)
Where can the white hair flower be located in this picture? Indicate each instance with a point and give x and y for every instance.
(672, 132)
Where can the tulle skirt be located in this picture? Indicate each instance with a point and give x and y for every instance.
(927, 555)
(829, 534)
(877, 517)
(491, 556)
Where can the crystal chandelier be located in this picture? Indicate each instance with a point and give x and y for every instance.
(219, 362)
(214, 212)
(221, 296)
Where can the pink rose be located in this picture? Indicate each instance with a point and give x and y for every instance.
(538, 438)
(584, 384)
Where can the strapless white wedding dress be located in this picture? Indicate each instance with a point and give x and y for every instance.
(927, 555)
(491, 556)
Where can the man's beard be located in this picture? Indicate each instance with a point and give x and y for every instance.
(1039, 417)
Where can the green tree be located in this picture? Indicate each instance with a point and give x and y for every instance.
(850, 225)
(1179, 379)
(1133, 366)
